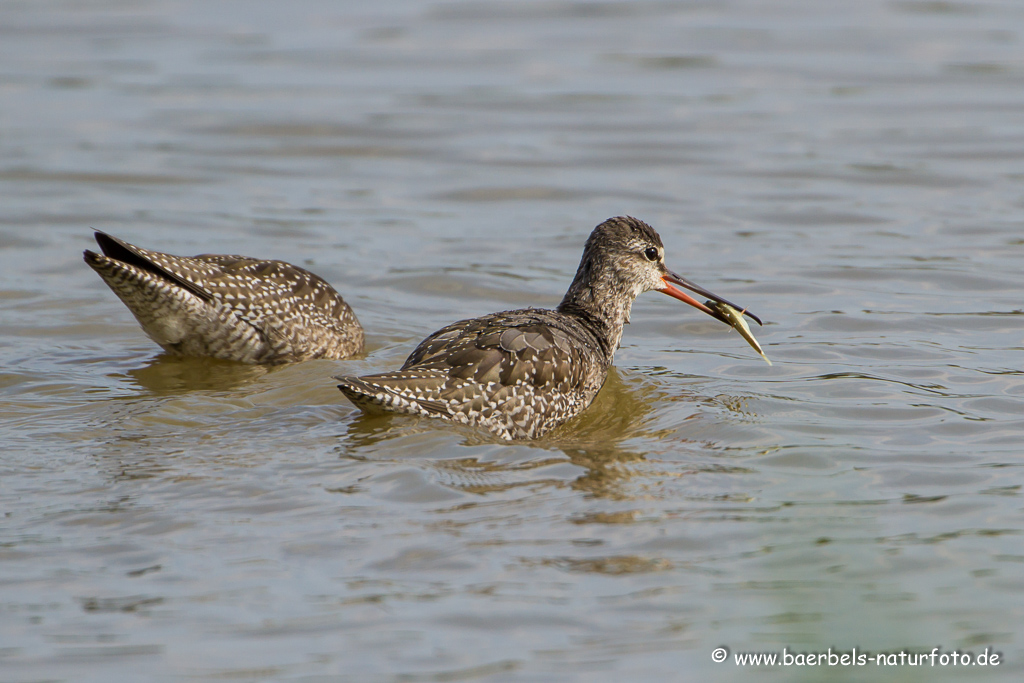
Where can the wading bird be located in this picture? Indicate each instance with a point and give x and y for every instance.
(521, 373)
(229, 307)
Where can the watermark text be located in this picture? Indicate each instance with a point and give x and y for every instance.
(856, 657)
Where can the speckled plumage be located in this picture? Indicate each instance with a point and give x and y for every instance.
(228, 307)
(521, 373)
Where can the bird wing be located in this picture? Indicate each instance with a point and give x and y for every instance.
(477, 366)
(507, 349)
(276, 292)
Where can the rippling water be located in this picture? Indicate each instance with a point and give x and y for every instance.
(853, 172)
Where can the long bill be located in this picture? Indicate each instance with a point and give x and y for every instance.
(672, 284)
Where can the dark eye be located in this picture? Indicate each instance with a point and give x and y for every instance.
(651, 254)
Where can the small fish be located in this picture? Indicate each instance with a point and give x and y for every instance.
(734, 317)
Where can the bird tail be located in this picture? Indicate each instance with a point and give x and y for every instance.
(121, 259)
(400, 392)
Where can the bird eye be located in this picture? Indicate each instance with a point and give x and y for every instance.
(651, 254)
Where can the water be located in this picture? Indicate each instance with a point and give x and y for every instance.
(851, 171)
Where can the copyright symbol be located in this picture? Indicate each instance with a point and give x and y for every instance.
(719, 654)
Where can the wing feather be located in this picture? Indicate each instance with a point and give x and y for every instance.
(481, 370)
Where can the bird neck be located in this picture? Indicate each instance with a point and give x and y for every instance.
(602, 304)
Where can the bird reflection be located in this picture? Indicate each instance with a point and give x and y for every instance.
(619, 413)
(594, 442)
(166, 374)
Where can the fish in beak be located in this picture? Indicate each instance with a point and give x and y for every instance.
(717, 307)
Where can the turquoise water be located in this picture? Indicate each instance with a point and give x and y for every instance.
(853, 172)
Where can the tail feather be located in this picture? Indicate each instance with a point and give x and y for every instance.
(414, 393)
(119, 250)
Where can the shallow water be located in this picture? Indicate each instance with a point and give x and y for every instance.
(853, 172)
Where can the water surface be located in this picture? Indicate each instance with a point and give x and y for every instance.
(853, 172)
